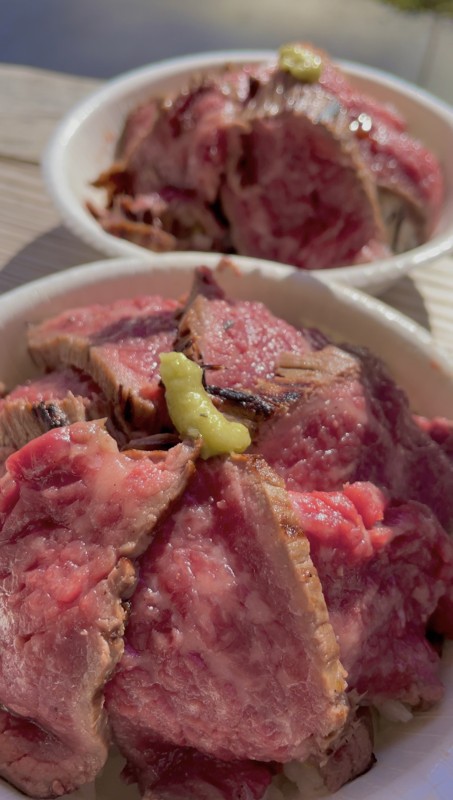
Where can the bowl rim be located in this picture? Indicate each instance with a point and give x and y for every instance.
(77, 218)
(103, 270)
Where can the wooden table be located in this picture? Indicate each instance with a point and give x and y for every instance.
(33, 243)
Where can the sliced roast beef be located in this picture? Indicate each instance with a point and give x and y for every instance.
(231, 663)
(138, 126)
(181, 143)
(118, 222)
(172, 163)
(335, 82)
(410, 185)
(56, 399)
(351, 755)
(298, 191)
(73, 512)
(408, 176)
(440, 429)
(253, 160)
(164, 220)
(239, 342)
(164, 772)
(229, 649)
(187, 147)
(118, 345)
(339, 417)
(331, 416)
(384, 569)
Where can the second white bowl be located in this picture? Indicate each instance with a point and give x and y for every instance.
(84, 144)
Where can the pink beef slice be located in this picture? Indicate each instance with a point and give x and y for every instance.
(253, 144)
(134, 220)
(164, 220)
(118, 345)
(73, 512)
(239, 341)
(351, 754)
(339, 417)
(410, 183)
(297, 189)
(180, 141)
(408, 176)
(187, 145)
(139, 124)
(162, 191)
(229, 650)
(220, 128)
(182, 773)
(334, 81)
(384, 568)
(440, 429)
(59, 398)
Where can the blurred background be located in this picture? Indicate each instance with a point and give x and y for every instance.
(101, 38)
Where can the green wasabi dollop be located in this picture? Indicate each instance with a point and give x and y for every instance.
(304, 64)
(192, 411)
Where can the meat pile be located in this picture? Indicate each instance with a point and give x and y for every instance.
(214, 618)
(254, 161)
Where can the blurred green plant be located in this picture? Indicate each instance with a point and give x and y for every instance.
(438, 6)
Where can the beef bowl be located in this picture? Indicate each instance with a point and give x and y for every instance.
(223, 617)
(350, 176)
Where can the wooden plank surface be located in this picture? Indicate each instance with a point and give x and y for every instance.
(31, 103)
(33, 242)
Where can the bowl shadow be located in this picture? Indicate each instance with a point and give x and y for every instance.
(406, 298)
(53, 251)
(58, 249)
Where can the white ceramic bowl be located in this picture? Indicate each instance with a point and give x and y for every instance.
(415, 760)
(83, 146)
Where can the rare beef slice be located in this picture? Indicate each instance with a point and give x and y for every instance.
(239, 342)
(339, 417)
(51, 401)
(385, 569)
(168, 772)
(73, 513)
(252, 160)
(330, 416)
(163, 188)
(297, 190)
(171, 219)
(118, 345)
(229, 650)
(407, 175)
(186, 146)
(440, 429)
